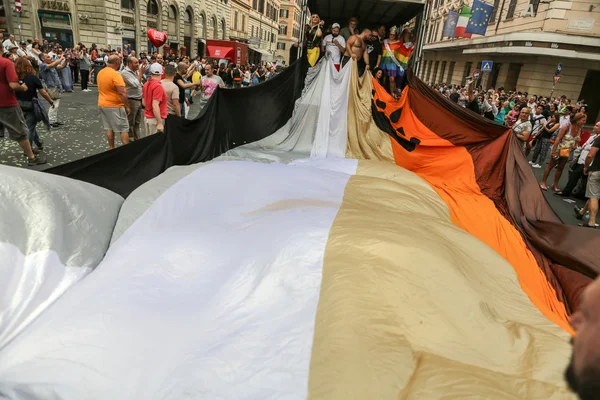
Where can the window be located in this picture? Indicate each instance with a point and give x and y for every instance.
(187, 17)
(429, 71)
(493, 16)
(436, 65)
(467, 72)
(450, 72)
(511, 9)
(280, 46)
(223, 29)
(261, 6)
(235, 21)
(283, 29)
(128, 4)
(255, 4)
(244, 23)
(172, 12)
(442, 73)
(284, 13)
(152, 7)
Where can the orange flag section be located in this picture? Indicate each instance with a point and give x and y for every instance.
(450, 171)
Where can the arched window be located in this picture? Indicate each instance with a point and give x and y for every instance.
(172, 12)
(152, 8)
(223, 35)
(213, 24)
(187, 17)
(202, 25)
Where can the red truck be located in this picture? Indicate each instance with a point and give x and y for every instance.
(226, 51)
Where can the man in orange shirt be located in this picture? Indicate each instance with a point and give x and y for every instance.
(113, 103)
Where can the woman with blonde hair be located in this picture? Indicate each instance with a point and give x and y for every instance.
(28, 100)
(568, 139)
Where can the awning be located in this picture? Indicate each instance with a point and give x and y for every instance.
(261, 51)
(219, 52)
(369, 12)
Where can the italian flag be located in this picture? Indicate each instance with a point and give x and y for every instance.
(463, 20)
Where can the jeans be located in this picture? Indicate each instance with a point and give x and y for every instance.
(182, 109)
(541, 151)
(85, 77)
(32, 134)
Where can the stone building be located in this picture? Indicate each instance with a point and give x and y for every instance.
(264, 28)
(240, 18)
(290, 25)
(525, 40)
(188, 23)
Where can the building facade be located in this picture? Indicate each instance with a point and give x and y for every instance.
(526, 40)
(264, 28)
(240, 18)
(188, 23)
(290, 25)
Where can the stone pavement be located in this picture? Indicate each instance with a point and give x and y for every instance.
(82, 134)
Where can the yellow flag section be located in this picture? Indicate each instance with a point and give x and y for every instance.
(413, 307)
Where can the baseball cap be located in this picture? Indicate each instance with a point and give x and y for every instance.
(23, 42)
(336, 25)
(156, 69)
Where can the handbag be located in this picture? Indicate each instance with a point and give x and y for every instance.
(313, 54)
(564, 152)
(53, 92)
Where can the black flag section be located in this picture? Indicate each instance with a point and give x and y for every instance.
(230, 119)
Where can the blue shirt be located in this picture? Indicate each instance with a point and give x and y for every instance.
(50, 76)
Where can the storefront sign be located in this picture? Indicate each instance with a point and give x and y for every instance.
(129, 34)
(581, 24)
(128, 21)
(55, 20)
(54, 5)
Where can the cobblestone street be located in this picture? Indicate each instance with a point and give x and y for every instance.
(81, 135)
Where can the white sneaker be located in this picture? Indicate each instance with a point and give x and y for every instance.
(536, 166)
(530, 162)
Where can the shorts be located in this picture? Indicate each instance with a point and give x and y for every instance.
(13, 120)
(592, 190)
(114, 119)
(151, 126)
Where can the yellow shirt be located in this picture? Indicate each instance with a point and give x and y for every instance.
(108, 79)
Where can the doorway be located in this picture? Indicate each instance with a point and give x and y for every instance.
(512, 77)
(591, 95)
(494, 77)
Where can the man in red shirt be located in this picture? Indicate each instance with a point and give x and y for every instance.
(154, 99)
(11, 115)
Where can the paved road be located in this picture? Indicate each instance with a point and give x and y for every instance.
(82, 136)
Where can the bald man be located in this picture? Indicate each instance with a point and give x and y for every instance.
(183, 71)
(113, 102)
(583, 372)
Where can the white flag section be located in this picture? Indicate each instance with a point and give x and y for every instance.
(55, 231)
(211, 294)
(332, 129)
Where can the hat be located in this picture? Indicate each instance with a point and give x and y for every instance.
(13, 46)
(156, 69)
(336, 25)
(23, 42)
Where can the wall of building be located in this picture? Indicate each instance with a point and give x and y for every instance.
(105, 22)
(293, 24)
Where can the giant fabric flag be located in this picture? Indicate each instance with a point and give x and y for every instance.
(450, 25)
(388, 249)
(480, 17)
(463, 21)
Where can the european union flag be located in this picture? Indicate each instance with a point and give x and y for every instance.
(480, 17)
